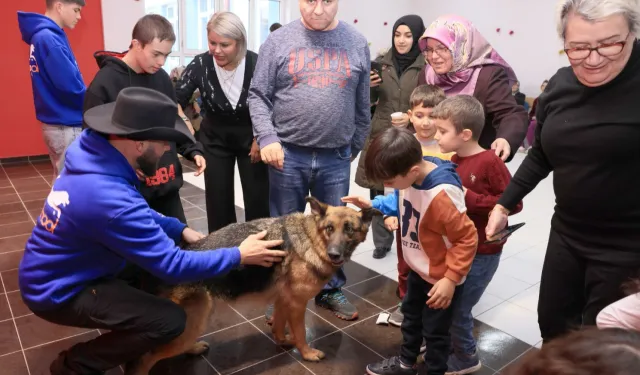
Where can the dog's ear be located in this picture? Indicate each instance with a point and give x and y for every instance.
(317, 208)
(368, 214)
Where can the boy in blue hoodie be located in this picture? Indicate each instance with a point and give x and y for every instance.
(95, 221)
(58, 88)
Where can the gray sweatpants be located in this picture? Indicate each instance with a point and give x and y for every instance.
(58, 138)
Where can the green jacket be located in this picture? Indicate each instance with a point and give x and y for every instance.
(392, 96)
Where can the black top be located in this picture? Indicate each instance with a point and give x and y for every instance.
(115, 75)
(590, 138)
(224, 130)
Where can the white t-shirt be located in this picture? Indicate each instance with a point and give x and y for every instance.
(231, 82)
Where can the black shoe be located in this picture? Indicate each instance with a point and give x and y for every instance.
(59, 366)
(390, 366)
(380, 252)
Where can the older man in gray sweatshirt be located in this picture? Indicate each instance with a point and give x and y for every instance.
(309, 103)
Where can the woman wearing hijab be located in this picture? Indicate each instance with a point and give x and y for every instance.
(399, 76)
(461, 61)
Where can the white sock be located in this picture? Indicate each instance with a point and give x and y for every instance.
(402, 365)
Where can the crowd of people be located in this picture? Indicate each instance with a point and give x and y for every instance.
(432, 122)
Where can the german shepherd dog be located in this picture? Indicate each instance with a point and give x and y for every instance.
(317, 246)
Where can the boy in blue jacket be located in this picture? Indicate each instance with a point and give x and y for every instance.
(95, 221)
(58, 88)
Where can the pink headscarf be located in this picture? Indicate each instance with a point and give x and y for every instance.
(470, 51)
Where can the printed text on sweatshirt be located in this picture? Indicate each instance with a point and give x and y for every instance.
(311, 88)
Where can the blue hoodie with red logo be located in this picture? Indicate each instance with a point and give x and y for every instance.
(94, 221)
(58, 88)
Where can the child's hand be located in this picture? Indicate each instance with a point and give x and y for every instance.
(441, 294)
(391, 223)
(360, 202)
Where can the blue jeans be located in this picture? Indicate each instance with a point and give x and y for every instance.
(479, 277)
(323, 172)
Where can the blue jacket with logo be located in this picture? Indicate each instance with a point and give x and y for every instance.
(94, 221)
(58, 88)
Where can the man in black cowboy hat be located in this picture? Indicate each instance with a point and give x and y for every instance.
(95, 221)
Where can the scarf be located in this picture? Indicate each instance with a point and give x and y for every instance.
(470, 51)
(403, 61)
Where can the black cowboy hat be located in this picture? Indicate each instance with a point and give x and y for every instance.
(142, 114)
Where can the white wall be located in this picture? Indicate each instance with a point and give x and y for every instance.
(533, 49)
(118, 19)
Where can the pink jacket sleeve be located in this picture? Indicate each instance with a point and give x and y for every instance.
(624, 313)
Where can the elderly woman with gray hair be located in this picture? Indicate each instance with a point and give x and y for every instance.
(588, 135)
(223, 76)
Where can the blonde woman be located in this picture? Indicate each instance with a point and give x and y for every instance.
(223, 75)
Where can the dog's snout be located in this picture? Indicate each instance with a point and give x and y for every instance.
(334, 256)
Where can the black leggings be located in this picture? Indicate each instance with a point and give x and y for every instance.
(220, 189)
(574, 289)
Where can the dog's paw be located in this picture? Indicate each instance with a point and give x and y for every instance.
(198, 348)
(313, 355)
(288, 340)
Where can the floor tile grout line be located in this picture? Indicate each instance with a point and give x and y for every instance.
(274, 342)
(47, 181)
(260, 362)
(12, 251)
(23, 205)
(517, 358)
(15, 325)
(363, 281)
(7, 354)
(16, 222)
(17, 235)
(12, 212)
(58, 340)
(223, 329)
(210, 364)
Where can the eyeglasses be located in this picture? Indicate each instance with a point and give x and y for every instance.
(440, 51)
(604, 50)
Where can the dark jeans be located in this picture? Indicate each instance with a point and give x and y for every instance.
(420, 322)
(220, 190)
(170, 206)
(574, 288)
(138, 322)
(323, 172)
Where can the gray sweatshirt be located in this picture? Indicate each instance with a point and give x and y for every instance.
(311, 88)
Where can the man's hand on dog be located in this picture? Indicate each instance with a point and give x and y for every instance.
(360, 202)
(441, 294)
(255, 251)
(191, 236)
(273, 155)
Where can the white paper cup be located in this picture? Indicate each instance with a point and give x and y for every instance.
(397, 115)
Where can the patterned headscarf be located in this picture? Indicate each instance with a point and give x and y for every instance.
(470, 51)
